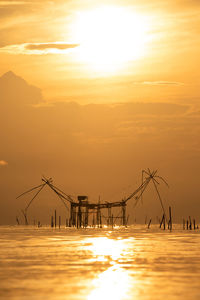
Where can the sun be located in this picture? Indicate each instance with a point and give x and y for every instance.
(109, 37)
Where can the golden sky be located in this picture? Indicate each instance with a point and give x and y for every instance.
(140, 49)
(99, 87)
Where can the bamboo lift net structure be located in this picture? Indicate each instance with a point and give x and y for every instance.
(80, 209)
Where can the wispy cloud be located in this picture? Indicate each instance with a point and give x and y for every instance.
(3, 163)
(158, 83)
(6, 3)
(38, 48)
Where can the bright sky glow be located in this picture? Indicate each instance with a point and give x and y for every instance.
(110, 36)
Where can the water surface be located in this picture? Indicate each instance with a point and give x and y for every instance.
(124, 263)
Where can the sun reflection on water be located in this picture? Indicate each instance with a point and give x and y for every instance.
(104, 248)
(114, 283)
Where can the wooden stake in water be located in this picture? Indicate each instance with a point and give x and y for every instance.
(170, 218)
(112, 222)
(17, 220)
(93, 221)
(190, 223)
(100, 221)
(59, 221)
(149, 224)
(194, 223)
(55, 219)
(162, 220)
(52, 224)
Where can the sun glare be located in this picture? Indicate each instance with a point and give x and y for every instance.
(113, 283)
(109, 37)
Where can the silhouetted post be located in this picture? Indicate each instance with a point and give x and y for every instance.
(187, 224)
(25, 217)
(124, 213)
(194, 223)
(79, 216)
(66, 223)
(109, 221)
(127, 220)
(72, 215)
(162, 220)
(52, 224)
(39, 225)
(100, 221)
(183, 224)
(86, 216)
(17, 220)
(190, 223)
(55, 219)
(98, 216)
(93, 220)
(112, 222)
(76, 221)
(149, 224)
(170, 217)
(59, 221)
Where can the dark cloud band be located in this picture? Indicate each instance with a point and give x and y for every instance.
(44, 46)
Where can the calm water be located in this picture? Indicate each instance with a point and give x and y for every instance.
(133, 263)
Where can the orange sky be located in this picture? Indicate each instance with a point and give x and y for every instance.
(99, 102)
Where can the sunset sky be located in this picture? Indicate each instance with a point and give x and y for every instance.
(92, 92)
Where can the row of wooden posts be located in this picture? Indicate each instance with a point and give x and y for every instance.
(163, 221)
(189, 224)
(68, 222)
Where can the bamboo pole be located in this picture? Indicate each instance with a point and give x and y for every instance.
(190, 226)
(52, 224)
(55, 219)
(170, 217)
(100, 221)
(149, 224)
(93, 220)
(162, 220)
(59, 222)
(194, 223)
(112, 222)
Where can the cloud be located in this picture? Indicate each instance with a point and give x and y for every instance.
(38, 48)
(16, 92)
(160, 82)
(43, 46)
(3, 163)
(6, 3)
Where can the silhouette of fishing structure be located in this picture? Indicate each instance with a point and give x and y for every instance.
(80, 209)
